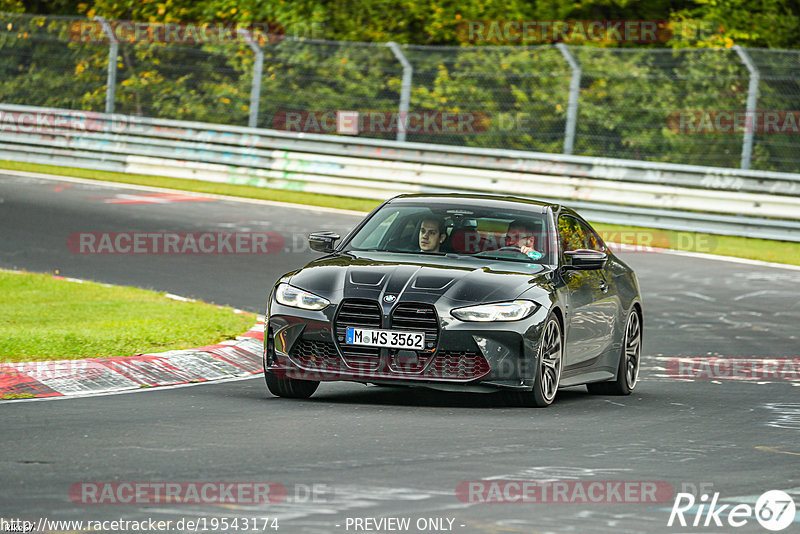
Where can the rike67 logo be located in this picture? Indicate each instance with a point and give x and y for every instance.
(774, 510)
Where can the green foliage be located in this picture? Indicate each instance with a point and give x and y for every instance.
(755, 23)
(627, 94)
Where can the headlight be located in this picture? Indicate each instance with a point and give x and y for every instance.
(297, 298)
(501, 311)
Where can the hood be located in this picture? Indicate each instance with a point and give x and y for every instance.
(418, 278)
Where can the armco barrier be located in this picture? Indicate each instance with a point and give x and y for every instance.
(708, 199)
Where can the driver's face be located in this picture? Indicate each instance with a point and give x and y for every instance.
(429, 237)
(517, 236)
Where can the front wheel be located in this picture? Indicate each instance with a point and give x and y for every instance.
(291, 388)
(628, 368)
(548, 369)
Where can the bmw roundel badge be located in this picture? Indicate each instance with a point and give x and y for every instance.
(389, 298)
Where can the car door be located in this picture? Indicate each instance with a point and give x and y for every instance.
(591, 306)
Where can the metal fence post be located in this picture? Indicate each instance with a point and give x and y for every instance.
(258, 70)
(405, 90)
(113, 51)
(574, 93)
(751, 122)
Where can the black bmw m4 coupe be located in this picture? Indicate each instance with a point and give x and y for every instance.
(459, 293)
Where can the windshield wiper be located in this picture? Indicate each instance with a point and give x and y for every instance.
(399, 251)
(522, 258)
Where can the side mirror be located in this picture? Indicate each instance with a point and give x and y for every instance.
(584, 260)
(322, 241)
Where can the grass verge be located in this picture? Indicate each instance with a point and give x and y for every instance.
(742, 247)
(49, 319)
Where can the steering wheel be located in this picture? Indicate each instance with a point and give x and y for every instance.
(533, 254)
(503, 250)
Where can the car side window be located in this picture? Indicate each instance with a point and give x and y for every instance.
(569, 233)
(574, 235)
(592, 241)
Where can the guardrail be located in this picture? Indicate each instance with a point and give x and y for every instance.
(682, 197)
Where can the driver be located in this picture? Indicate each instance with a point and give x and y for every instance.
(522, 235)
(432, 233)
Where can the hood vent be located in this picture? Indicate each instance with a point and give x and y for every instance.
(431, 282)
(367, 278)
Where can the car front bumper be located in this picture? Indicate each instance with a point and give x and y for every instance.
(469, 356)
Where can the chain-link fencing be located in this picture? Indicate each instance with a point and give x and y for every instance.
(730, 107)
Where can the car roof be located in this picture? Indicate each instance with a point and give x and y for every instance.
(483, 200)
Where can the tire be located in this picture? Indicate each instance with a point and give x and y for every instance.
(291, 388)
(629, 361)
(548, 368)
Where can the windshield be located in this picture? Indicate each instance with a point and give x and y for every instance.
(508, 234)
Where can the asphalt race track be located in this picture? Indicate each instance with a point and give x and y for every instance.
(353, 453)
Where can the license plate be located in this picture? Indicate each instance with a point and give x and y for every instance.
(391, 339)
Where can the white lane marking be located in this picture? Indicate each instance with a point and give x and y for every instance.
(786, 415)
(756, 294)
(751, 499)
(697, 296)
(158, 198)
(121, 185)
(172, 296)
(556, 473)
(731, 259)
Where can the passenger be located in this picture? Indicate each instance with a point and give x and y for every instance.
(522, 235)
(432, 233)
